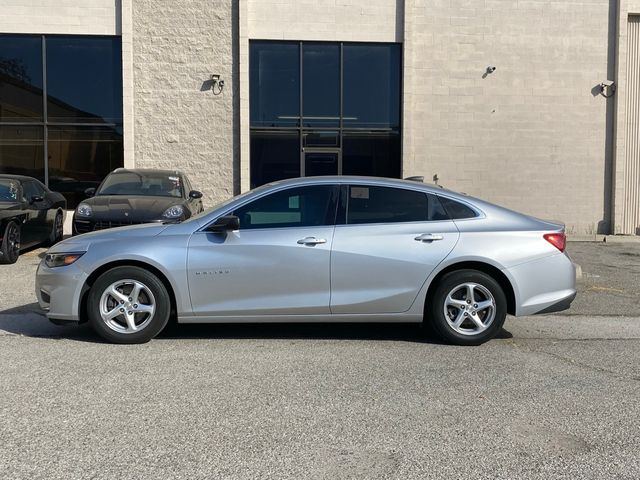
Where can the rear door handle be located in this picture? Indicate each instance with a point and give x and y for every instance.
(311, 241)
(428, 237)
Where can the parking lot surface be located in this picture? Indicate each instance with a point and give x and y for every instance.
(555, 397)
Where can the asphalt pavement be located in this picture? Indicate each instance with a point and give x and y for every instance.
(556, 397)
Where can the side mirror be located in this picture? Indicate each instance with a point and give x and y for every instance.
(225, 224)
(36, 198)
(195, 194)
(90, 192)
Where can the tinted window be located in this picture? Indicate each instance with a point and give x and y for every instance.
(457, 210)
(321, 86)
(371, 154)
(367, 204)
(84, 79)
(20, 78)
(31, 189)
(274, 83)
(372, 85)
(138, 183)
(295, 207)
(22, 150)
(274, 156)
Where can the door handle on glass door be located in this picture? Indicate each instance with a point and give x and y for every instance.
(311, 241)
(428, 237)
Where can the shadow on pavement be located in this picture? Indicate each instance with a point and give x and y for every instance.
(29, 320)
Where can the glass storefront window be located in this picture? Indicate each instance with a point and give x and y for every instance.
(372, 154)
(84, 79)
(275, 155)
(22, 150)
(20, 78)
(275, 84)
(321, 85)
(83, 87)
(80, 157)
(372, 85)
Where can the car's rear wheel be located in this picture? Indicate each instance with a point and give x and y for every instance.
(468, 307)
(57, 230)
(10, 247)
(128, 305)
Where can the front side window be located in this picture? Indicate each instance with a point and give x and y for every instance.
(30, 190)
(368, 204)
(296, 207)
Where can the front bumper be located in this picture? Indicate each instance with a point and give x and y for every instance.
(59, 291)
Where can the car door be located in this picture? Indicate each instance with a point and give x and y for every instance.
(277, 263)
(391, 240)
(35, 228)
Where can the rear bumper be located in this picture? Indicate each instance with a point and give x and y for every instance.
(545, 285)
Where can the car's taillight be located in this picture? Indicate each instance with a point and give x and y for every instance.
(558, 240)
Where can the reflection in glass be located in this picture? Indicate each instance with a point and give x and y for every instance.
(274, 83)
(320, 163)
(84, 79)
(20, 78)
(372, 85)
(80, 157)
(274, 156)
(321, 84)
(22, 151)
(374, 154)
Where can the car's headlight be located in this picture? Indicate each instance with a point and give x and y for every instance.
(84, 210)
(173, 212)
(52, 260)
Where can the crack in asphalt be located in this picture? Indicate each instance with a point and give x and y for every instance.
(573, 362)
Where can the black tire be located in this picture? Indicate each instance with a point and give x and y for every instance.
(153, 324)
(57, 230)
(454, 282)
(10, 247)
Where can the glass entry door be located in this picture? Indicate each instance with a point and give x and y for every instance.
(321, 161)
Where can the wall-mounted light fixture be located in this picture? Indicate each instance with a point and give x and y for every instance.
(217, 84)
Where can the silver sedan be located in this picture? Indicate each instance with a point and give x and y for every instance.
(319, 249)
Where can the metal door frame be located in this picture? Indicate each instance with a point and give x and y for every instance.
(305, 150)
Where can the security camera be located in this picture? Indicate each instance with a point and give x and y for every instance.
(215, 77)
(491, 69)
(607, 88)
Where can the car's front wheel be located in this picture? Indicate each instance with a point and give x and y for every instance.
(57, 230)
(468, 307)
(128, 305)
(10, 246)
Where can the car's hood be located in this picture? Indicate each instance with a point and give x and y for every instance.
(130, 208)
(82, 242)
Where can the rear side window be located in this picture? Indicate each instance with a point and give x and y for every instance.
(457, 210)
(296, 207)
(369, 204)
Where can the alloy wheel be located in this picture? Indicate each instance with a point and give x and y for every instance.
(127, 306)
(13, 239)
(469, 308)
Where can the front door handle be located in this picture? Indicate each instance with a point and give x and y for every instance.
(428, 237)
(311, 241)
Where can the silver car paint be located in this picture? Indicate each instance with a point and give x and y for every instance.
(378, 272)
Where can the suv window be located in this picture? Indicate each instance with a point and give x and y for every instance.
(457, 210)
(369, 204)
(296, 207)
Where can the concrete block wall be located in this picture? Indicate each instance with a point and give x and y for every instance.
(532, 135)
(97, 17)
(179, 121)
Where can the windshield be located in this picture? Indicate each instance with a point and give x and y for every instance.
(142, 183)
(9, 190)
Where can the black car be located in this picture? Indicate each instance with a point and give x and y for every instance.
(129, 197)
(30, 214)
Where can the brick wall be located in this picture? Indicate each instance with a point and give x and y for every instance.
(179, 121)
(532, 135)
(97, 17)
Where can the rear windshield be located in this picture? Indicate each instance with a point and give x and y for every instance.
(137, 183)
(9, 190)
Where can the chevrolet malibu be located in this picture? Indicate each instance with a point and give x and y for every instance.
(316, 249)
